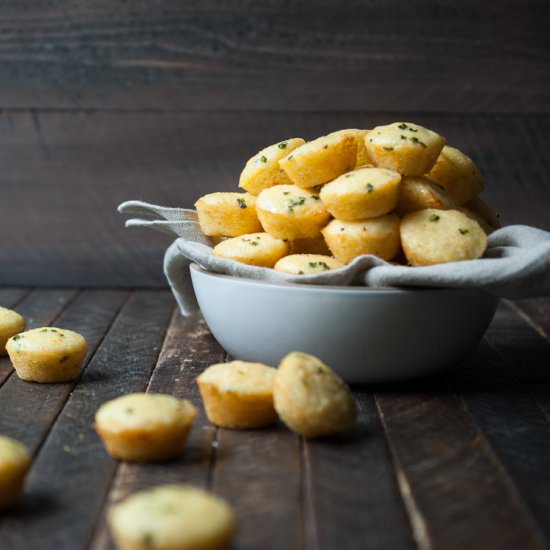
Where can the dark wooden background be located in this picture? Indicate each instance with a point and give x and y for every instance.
(163, 101)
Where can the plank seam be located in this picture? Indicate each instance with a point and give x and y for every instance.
(54, 421)
(417, 522)
(114, 475)
(310, 534)
(154, 110)
(500, 467)
(528, 319)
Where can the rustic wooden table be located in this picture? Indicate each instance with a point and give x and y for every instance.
(453, 462)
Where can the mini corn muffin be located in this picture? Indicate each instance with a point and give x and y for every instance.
(307, 264)
(321, 160)
(458, 174)
(419, 193)
(145, 427)
(361, 194)
(263, 170)
(378, 236)
(362, 156)
(479, 207)
(172, 517)
(11, 323)
(227, 214)
(317, 245)
(439, 236)
(289, 212)
(15, 460)
(238, 394)
(310, 398)
(405, 147)
(47, 354)
(260, 249)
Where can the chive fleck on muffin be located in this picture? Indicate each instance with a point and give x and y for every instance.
(172, 517)
(11, 323)
(15, 460)
(47, 354)
(145, 427)
(310, 398)
(238, 394)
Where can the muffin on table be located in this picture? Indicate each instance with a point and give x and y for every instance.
(15, 460)
(238, 394)
(172, 517)
(145, 427)
(47, 354)
(11, 323)
(310, 398)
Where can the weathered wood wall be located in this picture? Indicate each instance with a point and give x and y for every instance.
(105, 101)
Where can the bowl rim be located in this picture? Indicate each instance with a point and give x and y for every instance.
(299, 287)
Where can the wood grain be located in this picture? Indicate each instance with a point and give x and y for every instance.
(456, 493)
(28, 410)
(80, 166)
(188, 348)
(39, 307)
(240, 55)
(507, 389)
(122, 364)
(356, 471)
(10, 297)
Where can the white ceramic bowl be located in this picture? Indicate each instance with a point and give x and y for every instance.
(365, 335)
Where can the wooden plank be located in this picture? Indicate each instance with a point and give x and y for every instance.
(79, 166)
(353, 490)
(456, 492)
(40, 307)
(535, 311)
(9, 297)
(514, 425)
(188, 348)
(28, 410)
(243, 55)
(508, 386)
(259, 472)
(122, 363)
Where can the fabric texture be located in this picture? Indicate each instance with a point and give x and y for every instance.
(515, 265)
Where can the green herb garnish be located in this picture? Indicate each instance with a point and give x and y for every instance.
(313, 264)
(316, 197)
(292, 203)
(403, 126)
(434, 218)
(388, 148)
(263, 158)
(348, 175)
(282, 145)
(149, 540)
(414, 139)
(463, 231)
(242, 203)
(370, 187)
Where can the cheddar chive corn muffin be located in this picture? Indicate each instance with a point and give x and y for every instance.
(15, 460)
(238, 394)
(310, 398)
(11, 323)
(145, 427)
(47, 354)
(172, 517)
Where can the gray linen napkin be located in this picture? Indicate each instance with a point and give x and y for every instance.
(516, 263)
